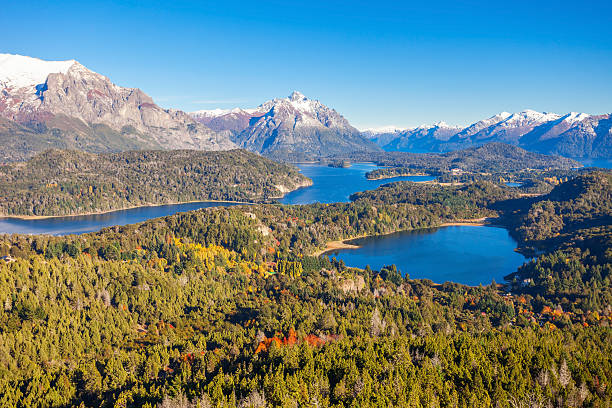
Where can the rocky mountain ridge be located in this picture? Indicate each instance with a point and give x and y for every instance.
(64, 104)
(574, 134)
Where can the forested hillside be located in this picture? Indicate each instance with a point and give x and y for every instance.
(489, 158)
(572, 225)
(225, 307)
(60, 182)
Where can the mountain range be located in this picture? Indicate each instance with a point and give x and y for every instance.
(62, 104)
(572, 135)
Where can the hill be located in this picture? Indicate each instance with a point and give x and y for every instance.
(489, 158)
(59, 182)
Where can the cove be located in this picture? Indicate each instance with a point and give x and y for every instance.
(469, 255)
(335, 185)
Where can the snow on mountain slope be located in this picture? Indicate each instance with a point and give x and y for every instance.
(503, 127)
(574, 117)
(483, 124)
(215, 113)
(553, 128)
(528, 118)
(292, 128)
(382, 130)
(18, 71)
(421, 139)
(84, 110)
(297, 127)
(574, 134)
(220, 120)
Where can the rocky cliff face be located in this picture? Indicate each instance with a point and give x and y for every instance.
(292, 128)
(79, 108)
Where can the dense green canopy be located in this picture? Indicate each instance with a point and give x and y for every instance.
(226, 307)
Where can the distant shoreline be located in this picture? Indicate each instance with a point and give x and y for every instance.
(343, 244)
(477, 222)
(43, 217)
(439, 183)
(305, 184)
(384, 177)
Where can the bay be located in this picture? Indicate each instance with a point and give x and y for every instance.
(335, 185)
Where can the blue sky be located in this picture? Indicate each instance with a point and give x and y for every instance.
(377, 63)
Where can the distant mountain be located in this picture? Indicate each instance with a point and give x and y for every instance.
(233, 120)
(62, 104)
(574, 134)
(382, 136)
(504, 127)
(292, 128)
(418, 140)
(590, 137)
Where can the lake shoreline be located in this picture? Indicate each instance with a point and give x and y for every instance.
(304, 184)
(385, 177)
(299, 186)
(46, 217)
(344, 243)
(477, 222)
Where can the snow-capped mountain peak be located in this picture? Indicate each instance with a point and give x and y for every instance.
(573, 117)
(383, 129)
(211, 113)
(18, 71)
(218, 112)
(529, 116)
(294, 126)
(34, 92)
(297, 96)
(443, 125)
(302, 104)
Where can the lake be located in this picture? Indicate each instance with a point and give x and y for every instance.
(334, 184)
(88, 223)
(329, 185)
(603, 163)
(465, 254)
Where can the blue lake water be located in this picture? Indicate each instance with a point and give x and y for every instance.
(604, 163)
(464, 254)
(334, 185)
(330, 185)
(88, 223)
